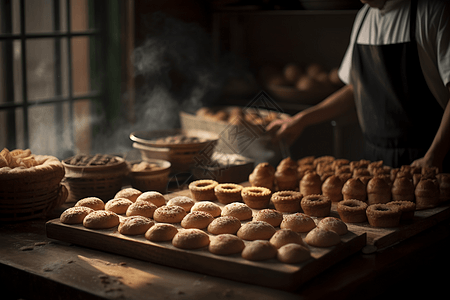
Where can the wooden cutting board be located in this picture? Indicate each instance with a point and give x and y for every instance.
(270, 273)
(384, 237)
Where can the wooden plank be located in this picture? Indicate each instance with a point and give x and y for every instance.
(385, 237)
(270, 273)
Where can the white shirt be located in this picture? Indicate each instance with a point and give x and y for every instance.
(390, 25)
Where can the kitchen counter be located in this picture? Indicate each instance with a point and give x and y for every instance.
(33, 266)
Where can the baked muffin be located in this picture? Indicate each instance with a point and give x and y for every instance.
(378, 191)
(286, 178)
(332, 188)
(402, 189)
(354, 188)
(427, 194)
(310, 184)
(444, 186)
(263, 176)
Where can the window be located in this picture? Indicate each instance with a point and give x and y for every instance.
(54, 70)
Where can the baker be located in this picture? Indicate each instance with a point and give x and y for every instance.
(396, 72)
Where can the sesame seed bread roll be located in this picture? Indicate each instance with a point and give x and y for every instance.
(101, 219)
(91, 202)
(75, 215)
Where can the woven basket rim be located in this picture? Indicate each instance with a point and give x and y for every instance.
(120, 162)
(145, 137)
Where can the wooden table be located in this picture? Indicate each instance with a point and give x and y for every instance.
(33, 266)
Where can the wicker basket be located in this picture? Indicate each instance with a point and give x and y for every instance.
(182, 157)
(32, 193)
(151, 180)
(95, 181)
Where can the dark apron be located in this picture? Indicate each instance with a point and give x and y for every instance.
(399, 115)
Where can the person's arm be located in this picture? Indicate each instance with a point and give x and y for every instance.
(334, 105)
(441, 143)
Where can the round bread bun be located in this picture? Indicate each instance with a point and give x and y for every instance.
(333, 224)
(118, 205)
(228, 192)
(256, 197)
(286, 236)
(256, 230)
(192, 238)
(287, 201)
(153, 197)
(183, 201)
(197, 219)
(91, 202)
(161, 232)
(319, 237)
(316, 205)
(75, 215)
(223, 225)
(293, 253)
(226, 244)
(297, 222)
(383, 215)
(128, 193)
(203, 190)
(237, 209)
(259, 250)
(352, 211)
(169, 214)
(141, 208)
(135, 225)
(271, 216)
(101, 219)
(407, 209)
(208, 206)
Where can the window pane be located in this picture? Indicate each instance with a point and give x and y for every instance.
(41, 68)
(80, 65)
(10, 16)
(41, 120)
(80, 15)
(11, 129)
(83, 126)
(38, 16)
(10, 72)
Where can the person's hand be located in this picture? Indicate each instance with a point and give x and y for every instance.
(287, 130)
(425, 162)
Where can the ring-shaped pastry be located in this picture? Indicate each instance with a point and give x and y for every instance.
(316, 205)
(256, 197)
(352, 211)
(203, 189)
(287, 201)
(228, 192)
